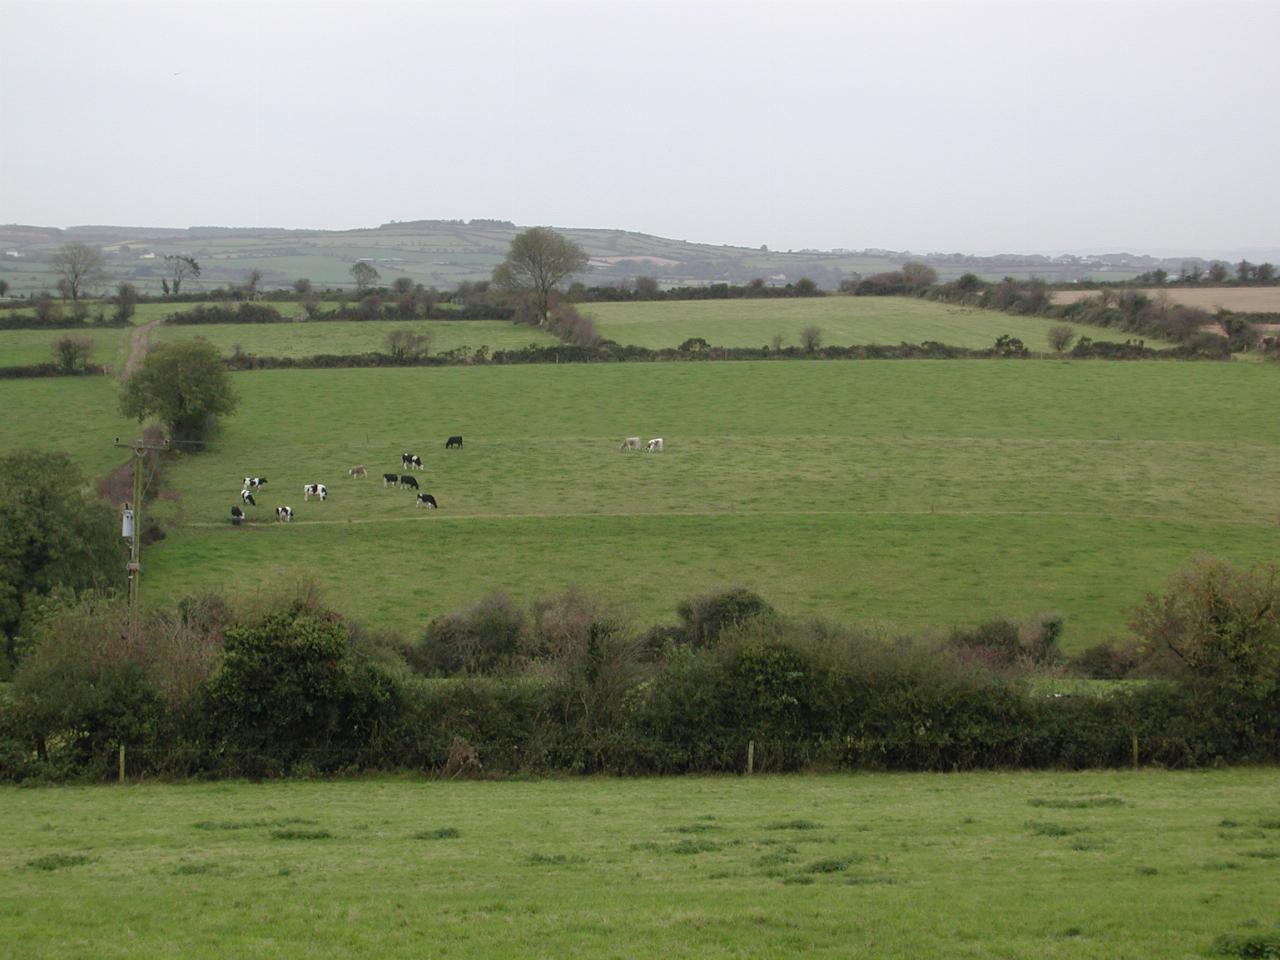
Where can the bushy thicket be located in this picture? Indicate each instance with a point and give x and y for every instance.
(1129, 311)
(288, 687)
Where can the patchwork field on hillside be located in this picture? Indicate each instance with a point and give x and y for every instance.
(1118, 865)
(904, 494)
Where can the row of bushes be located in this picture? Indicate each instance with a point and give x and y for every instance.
(57, 321)
(38, 370)
(371, 307)
(1127, 310)
(290, 686)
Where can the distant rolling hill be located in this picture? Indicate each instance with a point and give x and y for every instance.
(445, 252)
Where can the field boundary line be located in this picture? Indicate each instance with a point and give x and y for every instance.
(427, 517)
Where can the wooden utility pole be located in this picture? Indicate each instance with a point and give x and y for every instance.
(132, 525)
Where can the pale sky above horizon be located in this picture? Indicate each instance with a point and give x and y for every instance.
(931, 126)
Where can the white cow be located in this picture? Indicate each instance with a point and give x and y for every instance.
(631, 443)
(284, 513)
(310, 490)
(654, 445)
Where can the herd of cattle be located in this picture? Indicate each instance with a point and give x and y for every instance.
(403, 481)
(284, 513)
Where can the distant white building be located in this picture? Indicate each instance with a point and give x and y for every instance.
(147, 256)
(12, 253)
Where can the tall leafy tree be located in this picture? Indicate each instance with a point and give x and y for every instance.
(364, 274)
(538, 260)
(182, 384)
(53, 534)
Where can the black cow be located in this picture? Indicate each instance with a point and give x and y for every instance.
(236, 516)
(426, 498)
(390, 479)
(453, 442)
(408, 481)
(247, 497)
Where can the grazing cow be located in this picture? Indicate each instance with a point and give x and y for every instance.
(284, 513)
(455, 441)
(236, 516)
(253, 483)
(631, 443)
(411, 460)
(390, 479)
(310, 490)
(247, 497)
(408, 481)
(654, 445)
(358, 471)
(427, 499)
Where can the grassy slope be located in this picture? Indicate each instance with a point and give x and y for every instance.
(842, 320)
(893, 866)
(895, 492)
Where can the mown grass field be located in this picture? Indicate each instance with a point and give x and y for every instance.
(897, 494)
(23, 347)
(842, 320)
(995, 865)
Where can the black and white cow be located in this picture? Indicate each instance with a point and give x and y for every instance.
(454, 441)
(390, 479)
(236, 516)
(654, 445)
(310, 490)
(284, 513)
(411, 460)
(253, 483)
(408, 481)
(247, 497)
(427, 500)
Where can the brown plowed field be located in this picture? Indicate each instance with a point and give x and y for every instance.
(1240, 299)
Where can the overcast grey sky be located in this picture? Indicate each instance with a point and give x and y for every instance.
(972, 126)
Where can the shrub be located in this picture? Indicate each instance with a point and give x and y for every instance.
(290, 690)
(703, 618)
(487, 638)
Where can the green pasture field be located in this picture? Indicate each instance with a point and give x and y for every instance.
(349, 337)
(843, 321)
(23, 347)
(899, 494)
(1104, 865)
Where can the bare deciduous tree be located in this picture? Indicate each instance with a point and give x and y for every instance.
(180, 267)
(79, 266)
(811, 338)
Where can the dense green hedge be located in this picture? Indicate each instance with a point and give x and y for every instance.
(296, 689)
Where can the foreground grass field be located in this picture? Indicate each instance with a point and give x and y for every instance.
(842, 320)
(1096, 865)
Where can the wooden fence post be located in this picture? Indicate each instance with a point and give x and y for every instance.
(122, 763)
(1135, 751)
(751, 757)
